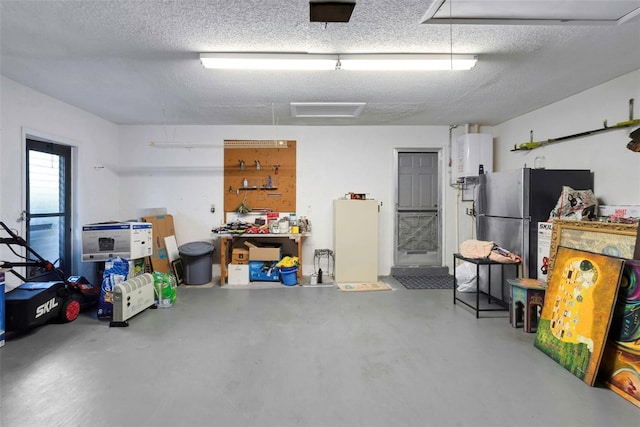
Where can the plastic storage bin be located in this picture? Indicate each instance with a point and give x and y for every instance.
(197, 260)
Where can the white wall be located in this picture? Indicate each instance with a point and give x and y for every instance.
(25, 111)
(331, 161)
(616, 169)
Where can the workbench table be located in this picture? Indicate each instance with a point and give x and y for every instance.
(227, 241)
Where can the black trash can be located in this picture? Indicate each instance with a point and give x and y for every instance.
(197, 259)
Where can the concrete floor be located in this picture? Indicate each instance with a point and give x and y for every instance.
(296, 356)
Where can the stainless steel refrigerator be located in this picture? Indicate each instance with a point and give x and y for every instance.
(510, 204)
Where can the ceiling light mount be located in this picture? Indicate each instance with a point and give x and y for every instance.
(331, 11)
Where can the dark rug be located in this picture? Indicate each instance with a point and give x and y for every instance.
(426, 282)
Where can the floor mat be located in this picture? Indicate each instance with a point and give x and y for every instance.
(426, 282)
(364, 287)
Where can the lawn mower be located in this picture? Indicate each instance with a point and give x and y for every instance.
(35, 303)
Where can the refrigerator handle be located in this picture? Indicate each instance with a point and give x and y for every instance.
(479, 197)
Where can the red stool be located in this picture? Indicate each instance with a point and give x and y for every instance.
(525, 303)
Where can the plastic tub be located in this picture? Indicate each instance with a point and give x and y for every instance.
(289, 276)
(197, 259)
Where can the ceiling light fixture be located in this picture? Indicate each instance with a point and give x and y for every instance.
(309, 61)
(408, 62)
(267, 61)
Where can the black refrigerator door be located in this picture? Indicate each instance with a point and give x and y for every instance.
(546, 185)
(545, 188)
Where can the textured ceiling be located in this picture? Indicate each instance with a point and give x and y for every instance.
(137, 62)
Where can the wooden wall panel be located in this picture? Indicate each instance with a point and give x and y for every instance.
(279, 163)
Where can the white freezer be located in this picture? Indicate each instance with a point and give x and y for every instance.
(356, 240)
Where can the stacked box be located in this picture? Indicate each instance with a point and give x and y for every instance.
(264, 271)
(131, 240)
(268, 252)
(619, 211)
(544, 243)
(238, 274)
(265, 253)
(240, 256)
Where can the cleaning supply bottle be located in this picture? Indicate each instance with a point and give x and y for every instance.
(319, 275)
(245, 183)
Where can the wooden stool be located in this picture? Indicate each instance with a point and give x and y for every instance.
(526, 298)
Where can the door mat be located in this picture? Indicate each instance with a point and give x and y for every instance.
(426, 282)
(364, 287)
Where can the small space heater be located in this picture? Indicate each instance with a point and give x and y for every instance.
(131, 297)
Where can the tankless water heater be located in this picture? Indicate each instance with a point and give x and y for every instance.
(473, 150)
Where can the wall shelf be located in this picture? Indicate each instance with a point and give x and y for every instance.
(165, 170)
(272, 184)
(527, 146)
(254, 187)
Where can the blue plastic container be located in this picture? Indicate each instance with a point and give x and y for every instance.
(289, 276)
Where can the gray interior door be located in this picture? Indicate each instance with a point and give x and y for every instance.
(418, 230)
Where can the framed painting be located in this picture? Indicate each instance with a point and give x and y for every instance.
(606, 238)
(578, 309)
(178, 270)
(620, 369)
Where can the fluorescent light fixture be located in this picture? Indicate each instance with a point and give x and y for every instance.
(304, 61)
(407, 62)
(268, 61)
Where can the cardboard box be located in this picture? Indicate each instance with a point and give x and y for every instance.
(544, 243)
(264, 271)
(238, 274)
(162, 227)
(619, 211)
(131, 240)
(355, 196)
(240, 256)
(270, 252)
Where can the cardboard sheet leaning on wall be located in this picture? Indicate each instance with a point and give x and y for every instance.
(162, 227)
